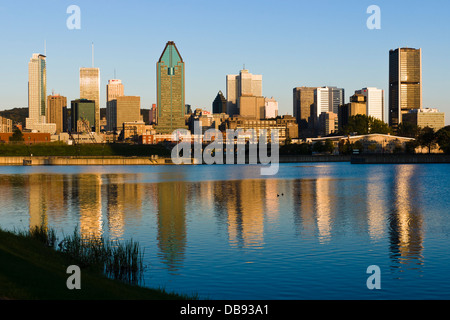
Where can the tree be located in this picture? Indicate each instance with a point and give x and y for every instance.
(329, 146)
(17, 136)
(362, 124)
(407, 129)
(443, 139)
(427, 138)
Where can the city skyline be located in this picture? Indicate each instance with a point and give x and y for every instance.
(352, 65)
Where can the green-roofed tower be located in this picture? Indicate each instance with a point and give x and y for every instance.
(170, 90)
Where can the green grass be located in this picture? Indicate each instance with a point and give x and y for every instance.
(31, 269)
(82, 150)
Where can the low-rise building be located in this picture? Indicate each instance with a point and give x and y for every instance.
(426, 117)
(6, 125)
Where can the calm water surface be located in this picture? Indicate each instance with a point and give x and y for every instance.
(226, 232)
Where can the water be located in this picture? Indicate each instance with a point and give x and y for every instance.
(226, 232)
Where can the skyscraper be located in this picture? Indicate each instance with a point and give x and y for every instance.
(170, 90)
(37, 95)
(114, 89)
(242, 85)
(90, 90)
(405, 83)
(326, 99)
(303, 98)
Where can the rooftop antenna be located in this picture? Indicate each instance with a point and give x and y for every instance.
(45, 47)
(92, 54)
(114, 73)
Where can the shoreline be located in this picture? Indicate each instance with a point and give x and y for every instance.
(123, 160)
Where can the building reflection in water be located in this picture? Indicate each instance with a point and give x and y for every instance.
(240, 204)
(47, 194)
(324, 195)
(314, 207)
(90, 204)
(405, 220)
(376, 205)
(171, 219)
(241, 207)
(123, 202)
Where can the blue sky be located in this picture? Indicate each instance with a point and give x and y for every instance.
(291, 43)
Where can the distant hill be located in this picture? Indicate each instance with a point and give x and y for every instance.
(17, 115)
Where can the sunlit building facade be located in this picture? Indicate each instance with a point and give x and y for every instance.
(170, 90)
(57, 105)
(37, 95)
(90, 90)
(405, 83)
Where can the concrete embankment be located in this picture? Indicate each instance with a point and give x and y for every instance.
(400, 158)
(82, 161)
(105, 161)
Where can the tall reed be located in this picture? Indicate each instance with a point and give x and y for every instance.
(118, 260)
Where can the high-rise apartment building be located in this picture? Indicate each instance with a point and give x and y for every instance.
(374, 102)
(243, 84)
(170, 90)
(56, 108)
(405, 83)
(114, 89)
(37, 95)
(90, 90)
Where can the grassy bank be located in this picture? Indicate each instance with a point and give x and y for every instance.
(31, 269)
(99, 150)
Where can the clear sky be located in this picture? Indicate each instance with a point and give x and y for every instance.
(290, 42)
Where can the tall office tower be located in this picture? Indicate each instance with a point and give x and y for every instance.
(374, 102)
(337, 97)
(56, 106)
(82, 115)
(90, 90)
(170, 90)
(219, 104)
(243, 84)
(124, 109)
(303, 104)
(114, 89)
(405, 83)
(326, 99)
(37, 95)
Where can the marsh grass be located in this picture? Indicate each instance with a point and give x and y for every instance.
(42, 234)
(118, 260)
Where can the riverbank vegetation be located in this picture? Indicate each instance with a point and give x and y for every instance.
(34, 267)
(83, 150)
